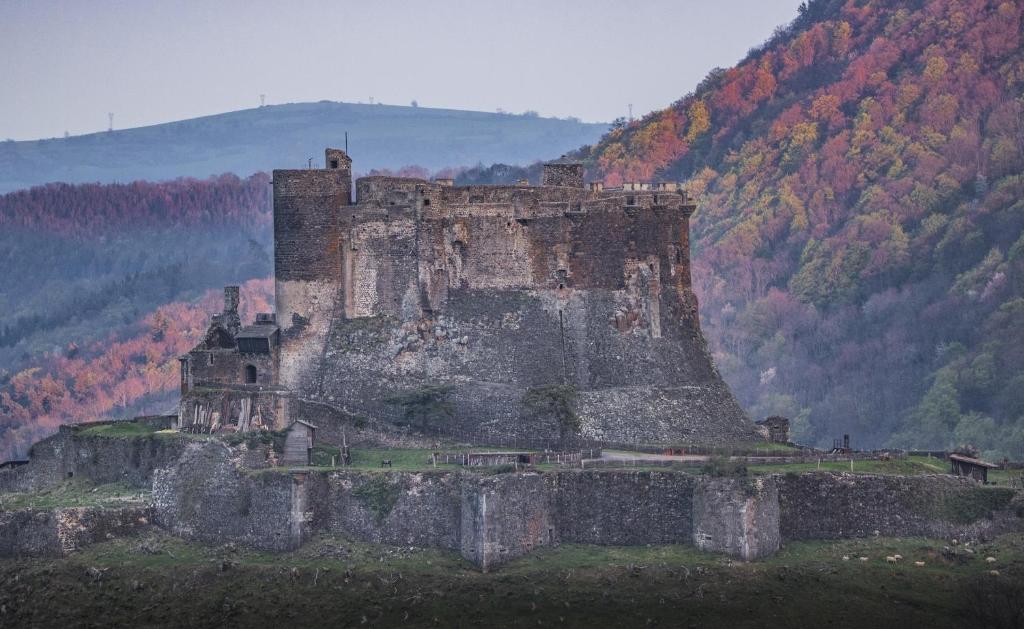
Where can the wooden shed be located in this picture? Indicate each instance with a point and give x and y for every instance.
(298, 443)
(972, 468)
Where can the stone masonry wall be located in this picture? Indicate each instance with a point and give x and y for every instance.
(621, 507)
(504, 517)
(59, 532)
(835, 506)
(738, 517)
(207, 497)
(101, 459)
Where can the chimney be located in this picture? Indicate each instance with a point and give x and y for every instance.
(231, 299)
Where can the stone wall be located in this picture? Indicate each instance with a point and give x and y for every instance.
(207, 497)
(59, 532)
(738, 517)
(492, 519)
(504, 517)
(836, 506)
(621, 507)
(100, 459)
(402, 508)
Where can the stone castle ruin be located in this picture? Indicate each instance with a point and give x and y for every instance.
(487, 313)
(556, 315)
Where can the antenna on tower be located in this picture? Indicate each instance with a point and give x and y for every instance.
(371, 100)
(110, 119)
(631, 112)
(346, 143)
(263, 100)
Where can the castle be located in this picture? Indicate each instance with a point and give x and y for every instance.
(487, 313)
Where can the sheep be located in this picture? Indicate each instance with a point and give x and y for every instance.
(863, 558)
(890, 559)
(919, 564)
(898, 557)
(846, 557)
(994, 573)
(990, 559)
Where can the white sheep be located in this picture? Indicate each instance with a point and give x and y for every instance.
(846, 557)
(890, 559)
(919, 564)
(994, 573)
(990, 559)
(898, 557)
(863, 558)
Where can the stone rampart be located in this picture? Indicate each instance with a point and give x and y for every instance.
(493, 519)
(835, 506)
(59, 532)
(98, 458)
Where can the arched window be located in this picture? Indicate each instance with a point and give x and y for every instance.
(250, 374)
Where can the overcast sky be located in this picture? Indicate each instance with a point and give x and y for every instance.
(65, 64)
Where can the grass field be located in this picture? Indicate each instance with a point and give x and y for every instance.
(160, 581)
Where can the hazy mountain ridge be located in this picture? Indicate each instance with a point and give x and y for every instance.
(286, 136)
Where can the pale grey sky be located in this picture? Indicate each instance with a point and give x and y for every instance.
(65, 64)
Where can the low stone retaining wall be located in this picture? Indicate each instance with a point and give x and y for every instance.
(101, 459)
(833, 506)
(492, 519)
(60, 532)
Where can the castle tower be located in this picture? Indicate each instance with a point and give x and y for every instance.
(309, 234)
(563, 172)
(500, 299)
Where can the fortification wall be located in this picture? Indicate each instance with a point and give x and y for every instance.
(492, 519)
(504, 517)
(100, 459)
(621, 507)
(738, 517)
(206, 497)
(836, 506)
(60, 532)
(404, 509)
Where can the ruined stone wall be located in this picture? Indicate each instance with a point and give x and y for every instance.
(417, 509)
(100, 459)
(267, 408)
(129, 460)
(737, 516)
(60, 532)
(206, 497)
(622, 507)
(504, 517)
(836, 506)
(497, 305)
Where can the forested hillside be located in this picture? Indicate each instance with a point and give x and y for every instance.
(858, 244)
(96, 289)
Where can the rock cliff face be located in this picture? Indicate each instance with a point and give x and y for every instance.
(469, 310)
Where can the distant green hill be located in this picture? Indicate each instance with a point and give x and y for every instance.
(281, 136)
